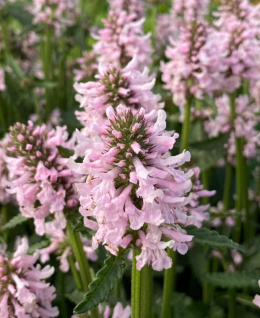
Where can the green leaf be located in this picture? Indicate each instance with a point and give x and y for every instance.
(17, 11)
(37, 246)
(76, 296)
(64, 152)
(212, 238)
(17, 220)
(208, 152)
(17, 70)
(239, 279)
(107, 277)
(44, 84)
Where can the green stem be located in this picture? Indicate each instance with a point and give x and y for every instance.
(168, 286)
(77, 247)
(135, 288)
(63, 307)
(186, 125)
(231, 303)
(205, 182)
(146, 295)
(206, 285)
(80, 256)
(239, 168)
(227, 185)
(245, 202)
(47, 66)
(75, 273)
(37, 108)
(5, 38)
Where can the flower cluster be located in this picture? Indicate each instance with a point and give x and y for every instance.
(197, 211)
(135, 192)
(23, 291)
(39, 176)
(60, 246)
(122, 39)
(135, 7)
(244, 125)
(182, 74)
(238, 24)
(87, 66)
(5, 197)
(59, 14)
(185, 11)
(115, 86)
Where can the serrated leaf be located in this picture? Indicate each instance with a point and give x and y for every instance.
(17, 220)
(107, 278)
(38, 246)
(212, 238)
(76, 296)
(239, 279)
(64, 152)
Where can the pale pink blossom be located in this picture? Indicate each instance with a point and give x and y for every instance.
(198, 212)
(127, 86)
(24, 292)
(134, 184)
(186, 73)
(135, 7)
(59, 14)
(121, 40)
(5, 197)
(39, 177)
(87, 66)
(238, 23)
(244, 125)
(118, 312)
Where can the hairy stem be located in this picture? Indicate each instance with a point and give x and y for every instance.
(168, 286)
(136, 288)
(77, 247)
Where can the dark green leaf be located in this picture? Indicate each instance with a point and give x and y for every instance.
(212, 238)
(64, 152)
(107, 277)
(208, 152)
(235, 279)
(17, 11)
(17, 220)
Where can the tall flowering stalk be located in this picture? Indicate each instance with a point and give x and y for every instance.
(135, 191)
(122, 39)
(23, 290)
